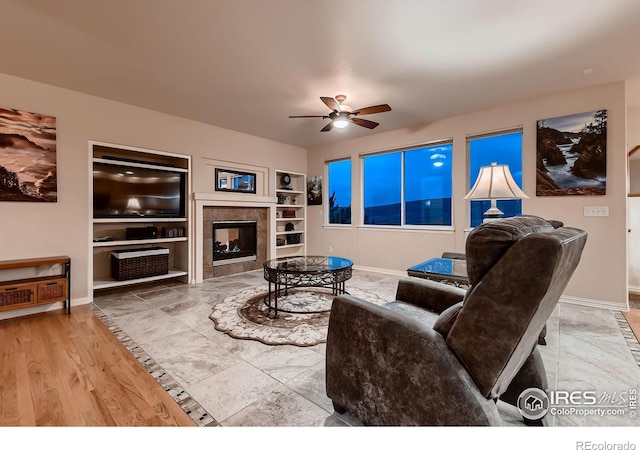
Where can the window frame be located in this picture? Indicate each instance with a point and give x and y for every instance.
(403, 226)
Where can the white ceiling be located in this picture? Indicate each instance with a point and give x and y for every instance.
(247, 65)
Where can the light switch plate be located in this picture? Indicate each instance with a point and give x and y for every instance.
(601, 211)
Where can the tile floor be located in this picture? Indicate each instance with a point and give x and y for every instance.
(247, 383)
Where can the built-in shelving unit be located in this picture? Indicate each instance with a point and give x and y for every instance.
(290, 213)
(110, 233)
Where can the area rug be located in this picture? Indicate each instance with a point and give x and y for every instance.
(303, 315)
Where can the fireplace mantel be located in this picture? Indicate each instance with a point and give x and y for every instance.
(237, 200)
(233, 199)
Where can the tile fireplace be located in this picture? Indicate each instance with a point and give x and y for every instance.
(238, 208)
(232, 239)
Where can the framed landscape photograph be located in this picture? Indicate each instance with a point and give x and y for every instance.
(27, 157)
(571, 156)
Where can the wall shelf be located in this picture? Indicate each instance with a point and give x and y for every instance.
(142, 220)
(110, 283)
(138, 242)
(126, 163)
(290, 192)
(290, 246)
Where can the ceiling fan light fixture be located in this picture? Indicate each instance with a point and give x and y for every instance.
(342, 115)
(340, 121)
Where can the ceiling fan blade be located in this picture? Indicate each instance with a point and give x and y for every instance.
(372, 109)
(364, 123)
(303, 117)
(331, 103)
(328, 126)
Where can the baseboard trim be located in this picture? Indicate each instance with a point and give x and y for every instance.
(42, 308)
(593, 303)
(399, 273)
(581, 301)
(634, 289)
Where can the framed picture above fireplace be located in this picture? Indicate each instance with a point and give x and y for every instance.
(234, 181)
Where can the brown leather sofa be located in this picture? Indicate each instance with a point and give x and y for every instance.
(405, 364)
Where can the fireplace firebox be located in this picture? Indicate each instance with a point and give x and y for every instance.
(234, 241)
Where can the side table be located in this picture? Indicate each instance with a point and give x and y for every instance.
(444, 270)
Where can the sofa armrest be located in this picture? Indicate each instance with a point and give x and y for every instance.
(429, 294)
(389, 369)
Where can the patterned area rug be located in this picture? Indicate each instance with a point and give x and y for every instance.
(303, 315)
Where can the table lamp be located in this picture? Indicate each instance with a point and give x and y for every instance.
(494, 182)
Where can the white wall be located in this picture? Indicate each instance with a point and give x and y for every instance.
(633, 140)
(45, 229)
(601, 277)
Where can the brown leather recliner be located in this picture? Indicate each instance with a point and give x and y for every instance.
(403, 364)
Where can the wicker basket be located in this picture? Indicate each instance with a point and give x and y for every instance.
(139, 263)
(52, 291)
(18, 295)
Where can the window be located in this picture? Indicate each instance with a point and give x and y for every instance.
(408, 187)
(382, 189)
(339, 191)
(427, 186)
(505, 148)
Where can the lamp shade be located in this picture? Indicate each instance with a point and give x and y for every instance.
(133, 204)
(495, 182)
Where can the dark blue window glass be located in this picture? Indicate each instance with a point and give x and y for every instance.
(427, 186)
(502, 149)
(382, 189)
(410, 187)
(339, 185)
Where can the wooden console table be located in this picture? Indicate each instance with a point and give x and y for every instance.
(27, 292)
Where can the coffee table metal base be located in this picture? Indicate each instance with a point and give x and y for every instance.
(282, 277)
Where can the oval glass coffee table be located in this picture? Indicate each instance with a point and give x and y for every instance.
(305, 271)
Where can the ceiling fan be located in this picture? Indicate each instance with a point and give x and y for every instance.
(342, 115)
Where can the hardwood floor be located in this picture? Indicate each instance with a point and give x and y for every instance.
(59, 370)
(634, 300)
